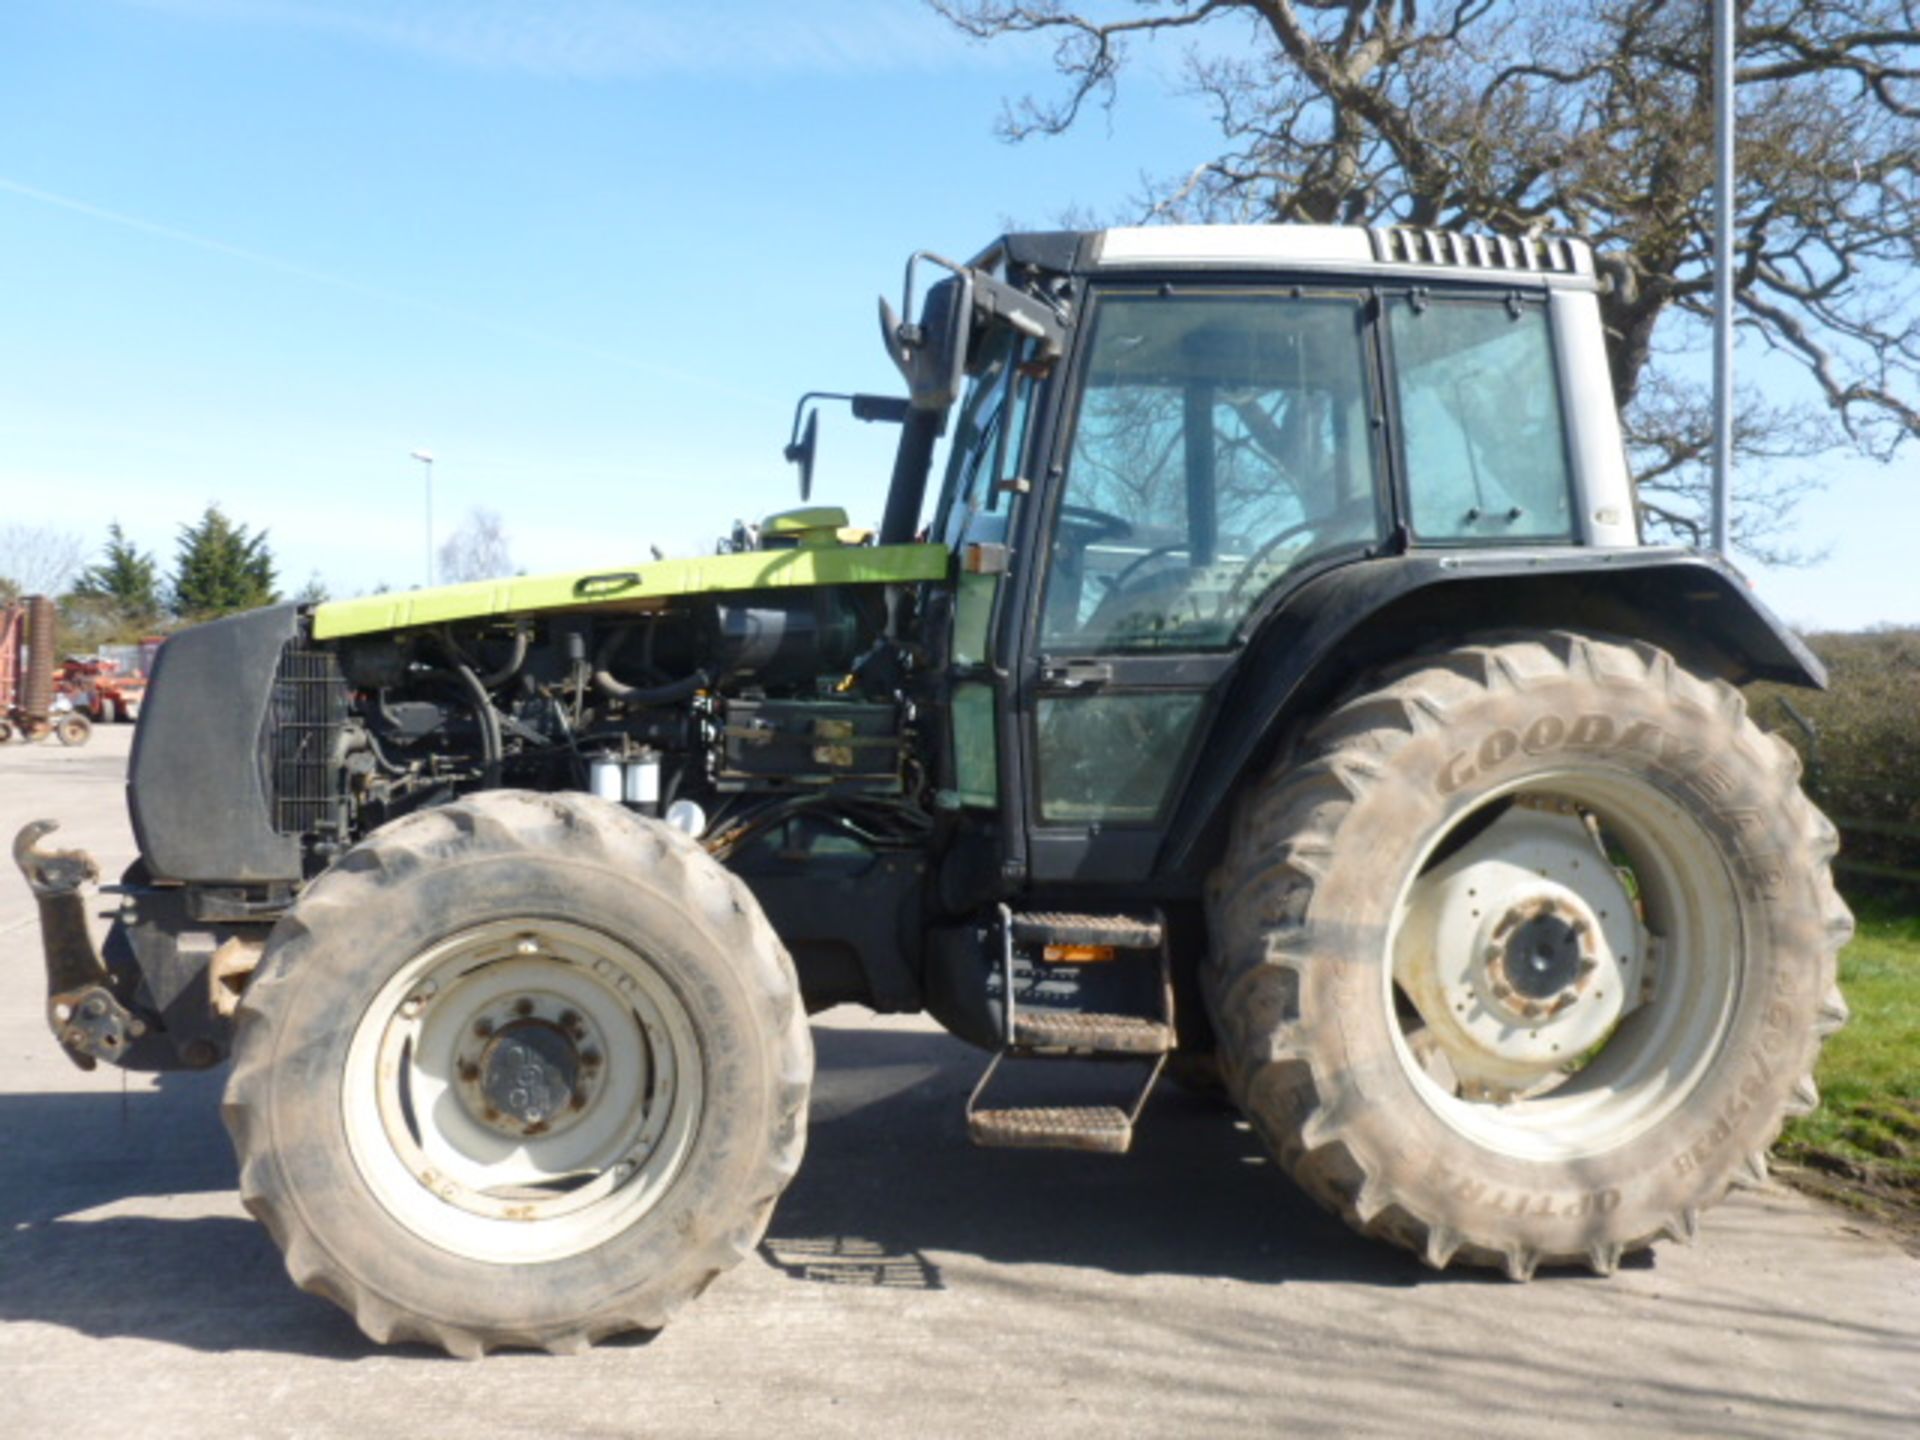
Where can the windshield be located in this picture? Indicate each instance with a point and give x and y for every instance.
(1222, 441)
(987, 442)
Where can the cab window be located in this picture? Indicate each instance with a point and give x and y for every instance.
(1481, 432)
(1222, 442)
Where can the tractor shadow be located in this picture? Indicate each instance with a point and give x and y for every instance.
(118, 1218)
(890, 1179)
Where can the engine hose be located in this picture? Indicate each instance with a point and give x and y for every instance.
(642, 694)
(654, 694)
(522, 636)
(483, 711)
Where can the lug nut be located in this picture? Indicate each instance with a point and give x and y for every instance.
(523, 1007)
(483, 1028)
(469, 1071)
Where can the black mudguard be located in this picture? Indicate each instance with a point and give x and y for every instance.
(1317, 641)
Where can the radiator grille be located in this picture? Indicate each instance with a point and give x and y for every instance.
(303, 731)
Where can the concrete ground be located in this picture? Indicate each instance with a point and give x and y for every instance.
(910, 1285)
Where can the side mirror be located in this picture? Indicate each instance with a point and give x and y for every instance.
(889, 409)
(800, 452)
(932, 355)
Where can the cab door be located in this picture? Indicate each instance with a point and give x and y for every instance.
(973, 518)
(1223, 441)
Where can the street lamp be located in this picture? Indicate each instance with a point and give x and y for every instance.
(425, 457)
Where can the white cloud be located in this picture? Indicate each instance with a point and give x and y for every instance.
(615, 39)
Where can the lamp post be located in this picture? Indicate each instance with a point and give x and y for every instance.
(1723, 179)
(425, 457)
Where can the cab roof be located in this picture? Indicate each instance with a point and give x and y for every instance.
(1345, 249)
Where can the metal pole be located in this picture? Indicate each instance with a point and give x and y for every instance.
(1722, 269)
(425, 457)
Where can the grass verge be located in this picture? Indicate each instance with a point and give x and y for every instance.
(1861, 1148)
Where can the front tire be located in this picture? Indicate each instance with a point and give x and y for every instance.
(1526, 952)
(73, 729)
(523, 1070)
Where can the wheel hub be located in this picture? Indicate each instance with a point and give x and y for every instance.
(1521, 951)
(1538, 953)
(527, 1072)
(532, 1066)
(1543, 955)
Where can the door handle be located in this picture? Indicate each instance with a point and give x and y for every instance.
(1076, 674)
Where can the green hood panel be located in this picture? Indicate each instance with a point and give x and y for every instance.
(618, 589)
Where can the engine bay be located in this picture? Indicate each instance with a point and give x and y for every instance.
(724, 718)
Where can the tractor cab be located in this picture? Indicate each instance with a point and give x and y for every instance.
(1162, 440)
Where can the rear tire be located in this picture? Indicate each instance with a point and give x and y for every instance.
(1526, 952)
(525, 1070)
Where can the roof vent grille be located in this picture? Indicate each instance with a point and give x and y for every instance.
(1539, 254)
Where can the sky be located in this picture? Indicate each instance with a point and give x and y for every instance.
(587, 253)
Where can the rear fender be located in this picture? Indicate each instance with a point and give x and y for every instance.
(1313, 644)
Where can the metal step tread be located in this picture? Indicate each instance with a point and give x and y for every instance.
(1093, 1033)
(1060, 927)
(1105, 1128)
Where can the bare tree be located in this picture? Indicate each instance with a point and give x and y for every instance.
(38, 560)
(1594, 121)
(477, 549)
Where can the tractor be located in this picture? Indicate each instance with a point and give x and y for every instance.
(1271, 689)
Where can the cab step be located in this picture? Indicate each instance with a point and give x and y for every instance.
(1038, 1033)
(1105, 1129)
(1083, 1034)
(1059, 927)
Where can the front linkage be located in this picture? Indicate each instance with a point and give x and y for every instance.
(86, 1017)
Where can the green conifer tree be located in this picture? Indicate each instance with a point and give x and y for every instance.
(221, 567)
(126, 578)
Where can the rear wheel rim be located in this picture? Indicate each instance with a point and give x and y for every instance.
(1609, 1023)
(523, 1091)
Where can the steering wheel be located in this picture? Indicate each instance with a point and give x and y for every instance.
(1352, 509)
(1099, 524)
(1117, 581)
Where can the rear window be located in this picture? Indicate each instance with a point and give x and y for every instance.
(1481, 433)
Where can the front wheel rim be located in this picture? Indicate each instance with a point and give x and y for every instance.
(1640, 1006)
(523, 1091)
